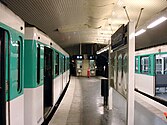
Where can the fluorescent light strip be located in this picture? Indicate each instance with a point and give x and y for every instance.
(140, 32)
(157, 22)
(102, 50)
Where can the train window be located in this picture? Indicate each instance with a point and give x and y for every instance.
(60, 64)
(18, 47)
(145, 65)
(165, 65)
(64, 63)
(136, 64)
(68, 63)
(57, 64)
(159, 65)
(38, 64)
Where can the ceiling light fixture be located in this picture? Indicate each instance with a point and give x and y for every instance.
(103, 50)
(140, 32)
(157, 22)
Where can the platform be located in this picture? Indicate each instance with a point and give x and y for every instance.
(83, 105)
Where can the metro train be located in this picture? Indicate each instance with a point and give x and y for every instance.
(151, 71)
(34, 72)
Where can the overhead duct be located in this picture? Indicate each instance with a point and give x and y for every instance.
(99, 11)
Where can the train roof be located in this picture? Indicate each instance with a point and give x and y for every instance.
(10, 19)
(152, 50)
(32, 33)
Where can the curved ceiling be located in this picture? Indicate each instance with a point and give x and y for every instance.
(70, 22)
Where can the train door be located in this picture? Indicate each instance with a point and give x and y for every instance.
(3, 36)
(48, 92)
(161, 75)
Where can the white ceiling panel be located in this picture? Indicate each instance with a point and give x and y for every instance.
(70, 22)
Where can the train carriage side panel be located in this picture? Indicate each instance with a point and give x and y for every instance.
(57, 85)
(63, 71)
(145, 82)
(62, 78)
(35, 37)
(144, 76)
(16, 79)
(68, 68)
(34, 54)
(153, 50)
(12, 32)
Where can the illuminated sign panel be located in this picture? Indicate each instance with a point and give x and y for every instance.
(78, 57)
(118, 38)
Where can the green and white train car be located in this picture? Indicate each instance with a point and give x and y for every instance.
(46, 75)
(151, 70)
(34, 72)
(12, 67)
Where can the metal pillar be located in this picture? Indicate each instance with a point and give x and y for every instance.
(80, 49)
(131, 59)
(109, 75)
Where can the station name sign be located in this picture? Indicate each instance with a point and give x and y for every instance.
(118, 38)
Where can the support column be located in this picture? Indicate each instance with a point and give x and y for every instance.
(109, 76)
(80, 49)
(131, 64)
